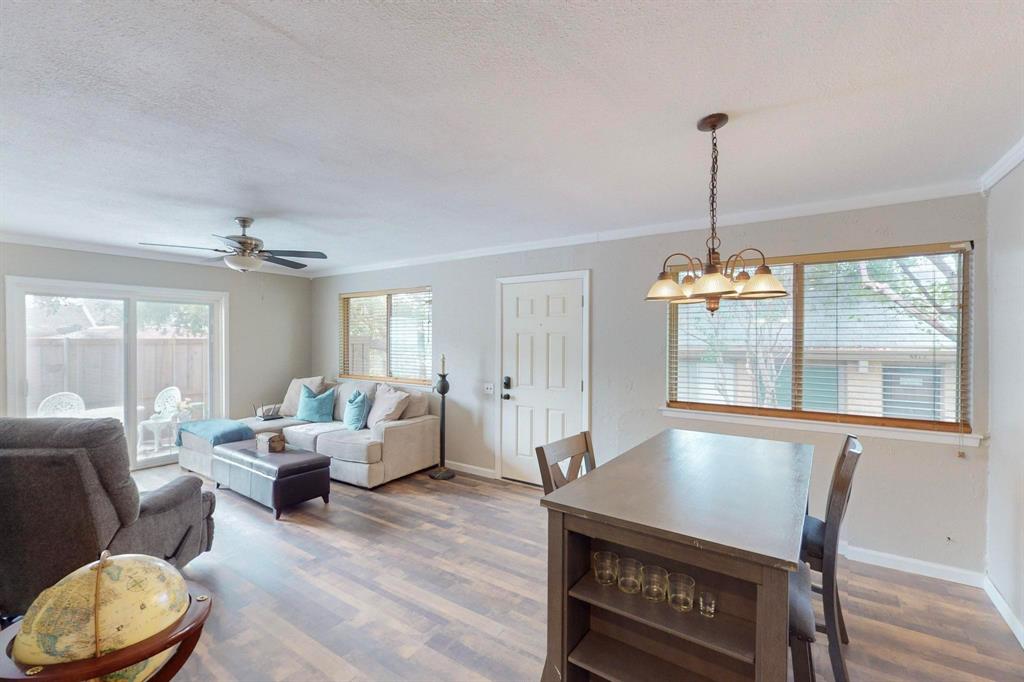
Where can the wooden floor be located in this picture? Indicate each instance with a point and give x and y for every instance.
(444, 580)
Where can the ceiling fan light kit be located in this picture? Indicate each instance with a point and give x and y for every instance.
(708, 282)
(245, 253)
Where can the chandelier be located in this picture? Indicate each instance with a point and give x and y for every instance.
(710, 281)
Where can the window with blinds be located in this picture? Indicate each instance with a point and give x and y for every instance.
(870, 337)
(386, 335)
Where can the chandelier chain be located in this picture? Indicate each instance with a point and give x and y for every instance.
(713, 241)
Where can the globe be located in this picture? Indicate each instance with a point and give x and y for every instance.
(102, 607)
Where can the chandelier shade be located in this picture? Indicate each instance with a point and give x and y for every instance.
(709, 281)
(665, 288)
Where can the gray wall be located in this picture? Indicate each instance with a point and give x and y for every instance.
(265, 350)
(912, 499)
(1006, 451)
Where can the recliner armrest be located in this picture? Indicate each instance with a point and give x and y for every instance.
(170, 495)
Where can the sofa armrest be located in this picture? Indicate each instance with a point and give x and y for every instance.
(170, 495)
(426, 422)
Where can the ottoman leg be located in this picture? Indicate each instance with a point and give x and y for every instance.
(326, 498)
(277, 514)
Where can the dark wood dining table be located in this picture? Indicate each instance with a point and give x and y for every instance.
(726, 510)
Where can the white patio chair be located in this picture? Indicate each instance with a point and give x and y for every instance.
(163, 420)
(63, 404)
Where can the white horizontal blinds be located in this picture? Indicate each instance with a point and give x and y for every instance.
(365, 340)
(879, 337)
(882, 338)
(740, 356)
(410, 335)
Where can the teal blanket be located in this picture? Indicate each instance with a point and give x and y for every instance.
(217, 431)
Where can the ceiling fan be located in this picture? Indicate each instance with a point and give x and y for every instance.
(246, 253)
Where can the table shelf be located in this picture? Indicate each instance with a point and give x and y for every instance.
(725, 633)
(616, 661)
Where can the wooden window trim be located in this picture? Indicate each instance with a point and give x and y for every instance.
(343, 313)
(962, 426)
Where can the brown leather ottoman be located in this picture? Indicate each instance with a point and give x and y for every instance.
(274, 479)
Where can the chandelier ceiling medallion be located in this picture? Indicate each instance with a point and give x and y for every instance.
(708, 282)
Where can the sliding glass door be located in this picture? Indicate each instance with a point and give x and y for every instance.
(151, 358)
(172, 360)
(74, 357)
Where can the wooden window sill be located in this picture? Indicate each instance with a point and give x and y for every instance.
(971, 440)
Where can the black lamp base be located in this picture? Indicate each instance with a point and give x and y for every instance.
(442, 474)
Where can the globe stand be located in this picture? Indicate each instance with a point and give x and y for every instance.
(185, 633)
(442, 473)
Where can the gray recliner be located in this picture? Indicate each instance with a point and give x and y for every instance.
(66, 495)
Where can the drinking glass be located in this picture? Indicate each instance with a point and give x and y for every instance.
(680, 591)
(707, 601)
(655, 582)
(629, 575)
(606, 567)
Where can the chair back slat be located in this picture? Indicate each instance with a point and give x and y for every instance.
(839, 495)
(577, 449)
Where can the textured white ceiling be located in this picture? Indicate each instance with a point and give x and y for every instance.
(384, 132)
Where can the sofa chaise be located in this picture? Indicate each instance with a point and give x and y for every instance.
(367, 458)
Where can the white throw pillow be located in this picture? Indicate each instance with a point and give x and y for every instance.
(419, 404)
(387, 405)
(344, 391)
(290, 404)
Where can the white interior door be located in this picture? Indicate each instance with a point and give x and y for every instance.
(542, 396)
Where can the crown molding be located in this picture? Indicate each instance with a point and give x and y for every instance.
(125, 251)
(904, 196)
(1006, 163)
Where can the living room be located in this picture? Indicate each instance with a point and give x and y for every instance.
(410, 244)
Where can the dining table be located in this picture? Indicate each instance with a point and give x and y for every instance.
(727, 511)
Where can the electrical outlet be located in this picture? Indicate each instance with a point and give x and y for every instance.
(489, 389)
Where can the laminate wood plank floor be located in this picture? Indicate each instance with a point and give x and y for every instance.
(445, 580)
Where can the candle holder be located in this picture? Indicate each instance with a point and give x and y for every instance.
(442, 473)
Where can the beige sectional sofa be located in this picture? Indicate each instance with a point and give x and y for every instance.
(367, 458)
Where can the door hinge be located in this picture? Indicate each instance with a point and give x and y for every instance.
(582, 301)
(581, 387)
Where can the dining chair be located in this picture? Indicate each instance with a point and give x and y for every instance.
(801, 623)
(577, 449)
(820, 549)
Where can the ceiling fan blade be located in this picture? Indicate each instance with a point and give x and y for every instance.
(285, 262)
(182, 246)
(227, 240)
(296, 254)
(215, 259)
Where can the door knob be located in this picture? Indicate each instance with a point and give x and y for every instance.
(506, 396)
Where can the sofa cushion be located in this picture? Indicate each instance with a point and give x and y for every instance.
(387, 405)
(350, 446)
(316, 408)
(418, 405)
(290, 404)
(305, 435)
(344, 390)
(269, 426)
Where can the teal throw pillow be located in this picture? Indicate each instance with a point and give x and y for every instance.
(357, 409)
(315, 408)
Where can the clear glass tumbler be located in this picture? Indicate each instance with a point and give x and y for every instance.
(708, 603)
(606, 567)
(629, 575)
(655, 582)
(680, 591)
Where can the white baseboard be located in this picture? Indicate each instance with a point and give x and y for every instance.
(1004, 610)
(471, 469)
(916, 566)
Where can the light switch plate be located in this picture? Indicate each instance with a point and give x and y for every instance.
(489, 389)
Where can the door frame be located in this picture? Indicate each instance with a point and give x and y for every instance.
(499, 283)
(16, 287)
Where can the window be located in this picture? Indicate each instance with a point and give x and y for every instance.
(386, 335)
(870, 337)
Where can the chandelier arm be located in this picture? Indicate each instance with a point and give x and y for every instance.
(664, 267)
(764, 261)
(731, 263)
